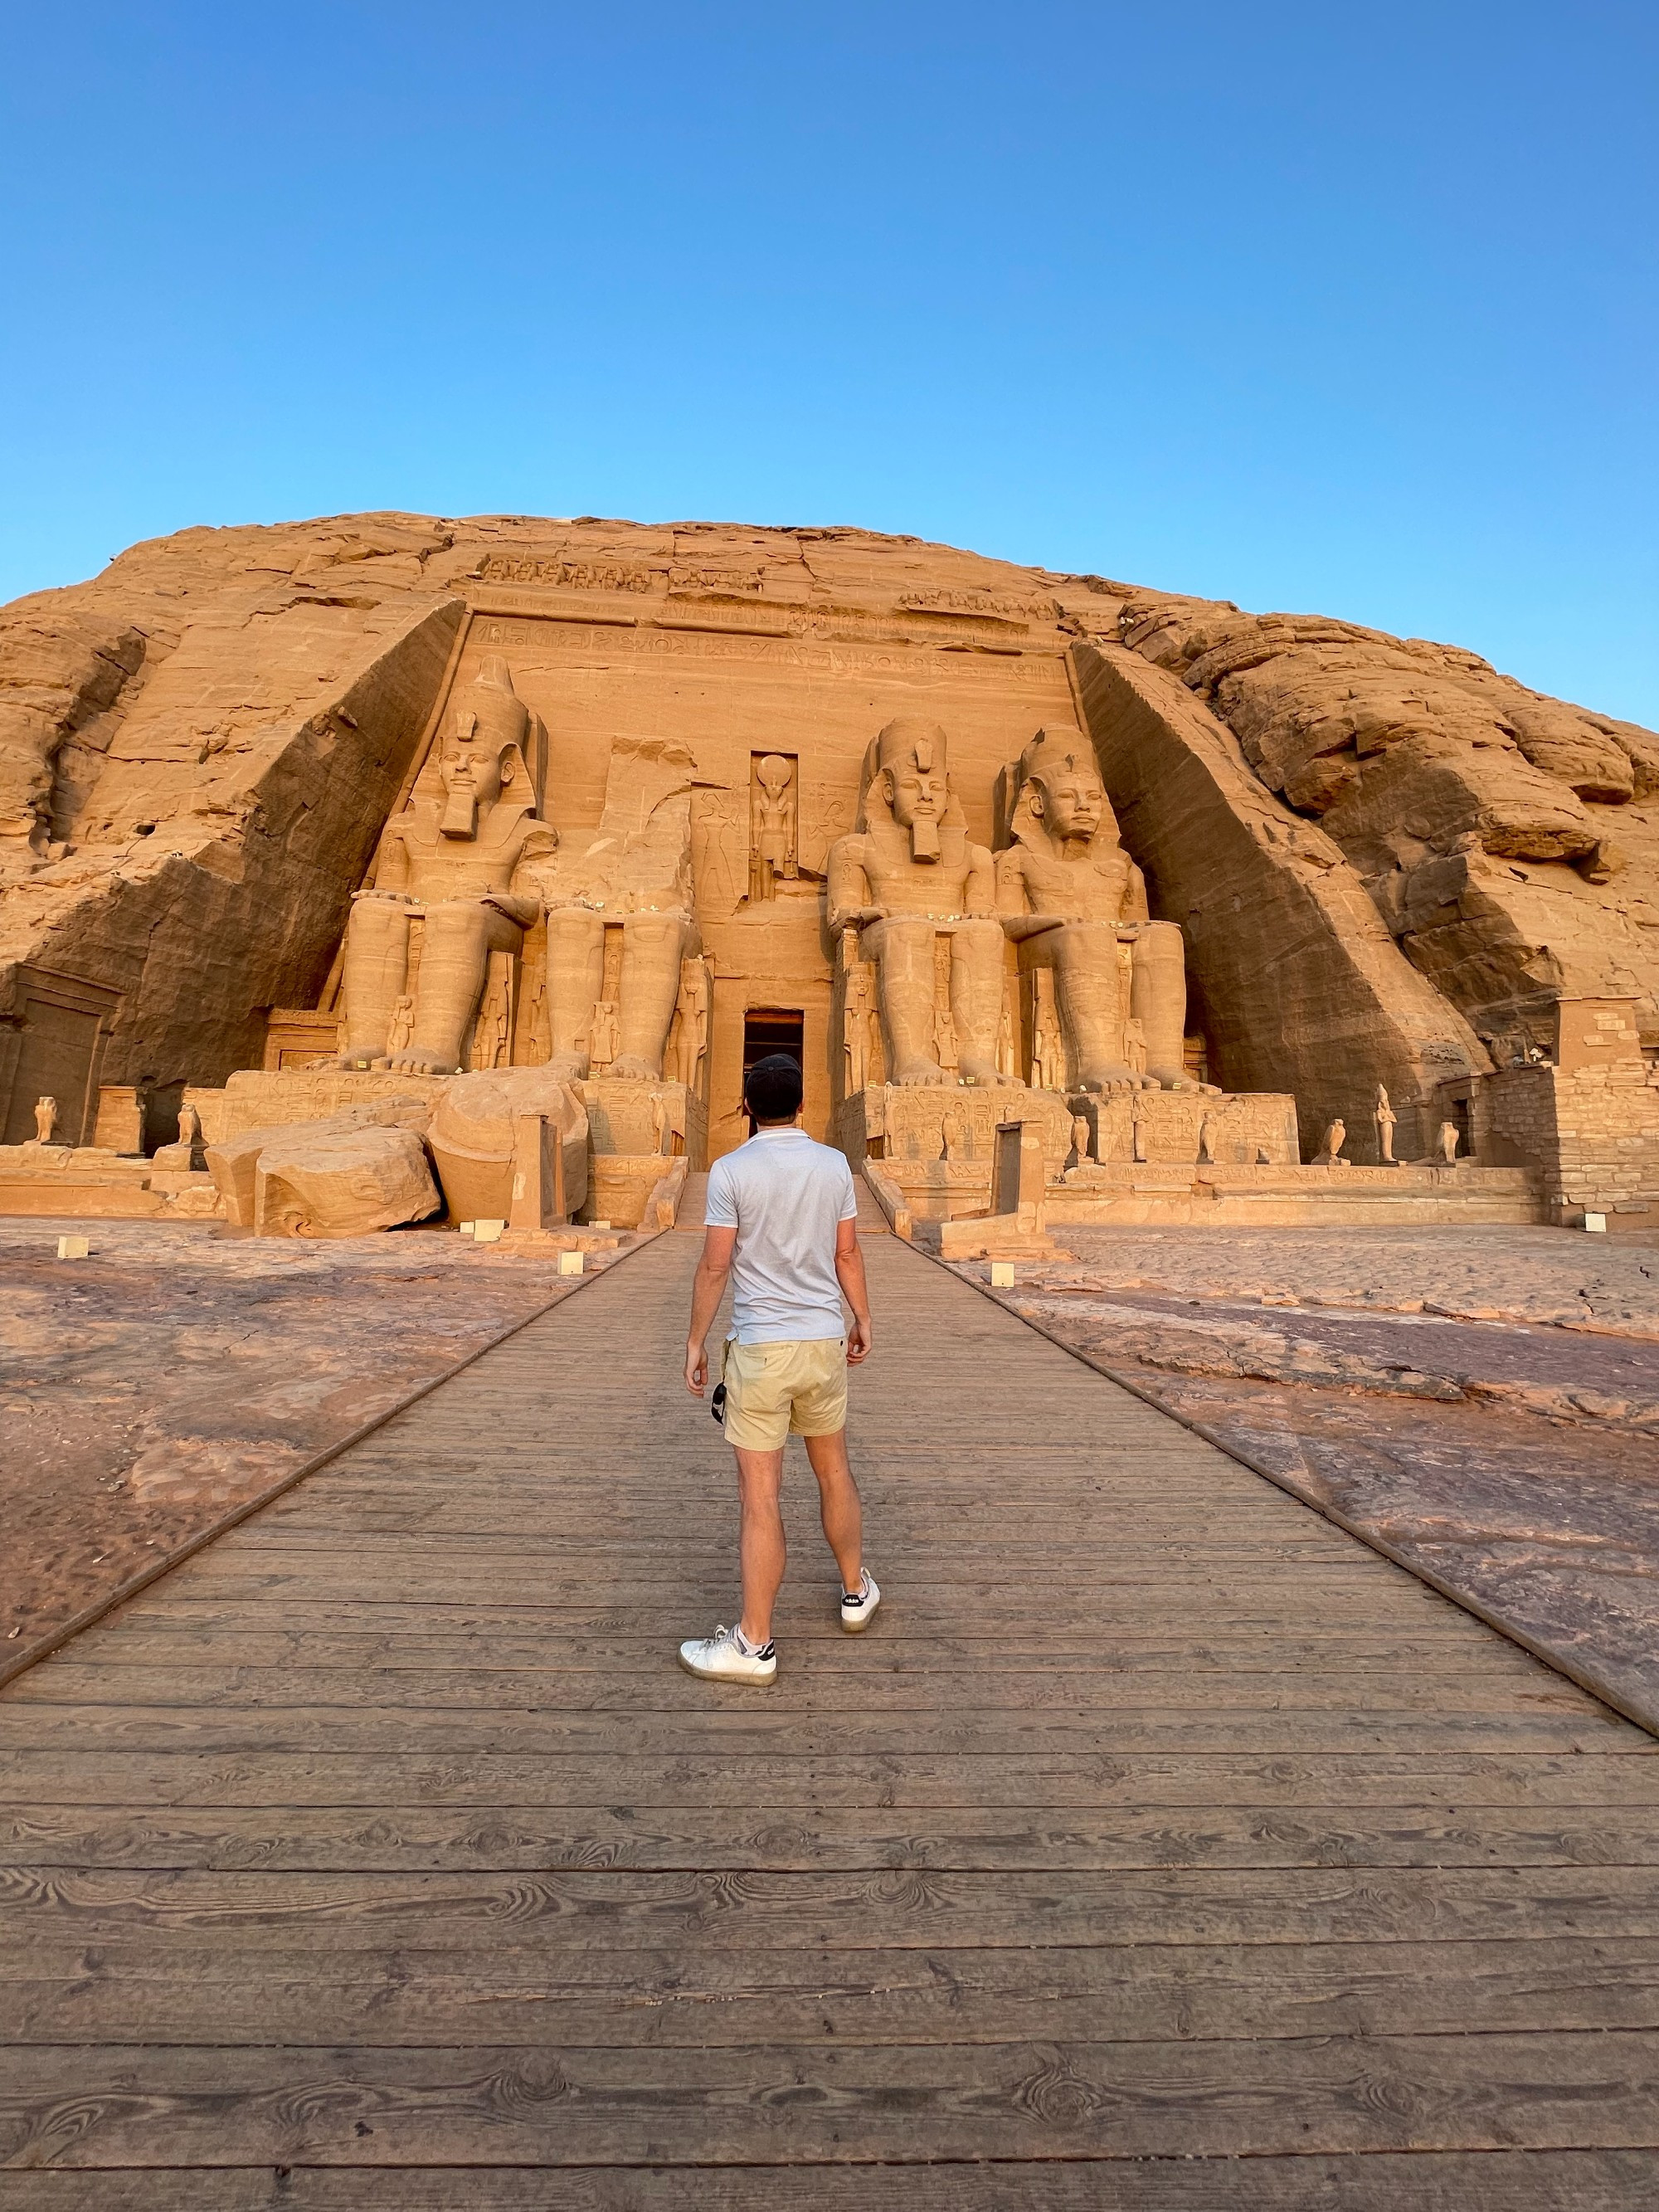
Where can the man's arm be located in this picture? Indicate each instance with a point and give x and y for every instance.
(707, 1288)
(849, 1273)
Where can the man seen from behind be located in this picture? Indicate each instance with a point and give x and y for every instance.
(781, 1223)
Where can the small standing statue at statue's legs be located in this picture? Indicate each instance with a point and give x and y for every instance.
(1007, 1047)
(402, 1027)
(907, 876)
(453, 858)
(691, 1016)
(1384, 1117)
(45, 1120)
(602, 1037)
(1047, 1053)
(1068, 894)
(855, 1013)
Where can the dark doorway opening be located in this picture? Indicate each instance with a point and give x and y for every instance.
(1457, 1113)
(766, 1030)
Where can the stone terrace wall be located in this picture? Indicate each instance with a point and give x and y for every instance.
(1594, 1131)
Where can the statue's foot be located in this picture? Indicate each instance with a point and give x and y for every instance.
(1111, 1075)
(416, 1062)
(912, 1074)
(568, 1067)
(634, 1069)
(975, 1070)
(359, 1056)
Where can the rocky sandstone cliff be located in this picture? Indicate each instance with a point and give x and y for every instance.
(1376, 846)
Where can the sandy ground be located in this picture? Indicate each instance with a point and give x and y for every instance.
(180, 1370)
(1486, 1401)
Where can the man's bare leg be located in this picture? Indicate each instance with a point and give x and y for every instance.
(761, 1544)
(838, 1504)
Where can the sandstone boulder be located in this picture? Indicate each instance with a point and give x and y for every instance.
(342, 1182)
(475, 1129)
(233, 1160)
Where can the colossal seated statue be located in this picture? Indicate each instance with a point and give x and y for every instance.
(456, 861)
(634, 871)
(907, 875)
(1069, 895)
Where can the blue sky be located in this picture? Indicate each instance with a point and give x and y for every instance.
(1346, 308)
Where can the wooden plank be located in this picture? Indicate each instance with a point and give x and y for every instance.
(1401, 2181)
(754, 1727)
(129, 1991)
(582, 1612)
(439, 1649)
(573, 2106)
(618, 1908)
(859, 1682)
(843, 1838)
(137, 1779)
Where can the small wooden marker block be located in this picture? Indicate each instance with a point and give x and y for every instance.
(73, 1247)
(598, 1225)
(1597, 1222)
(488, 1232)
(467, 1228)
(570, 1263)
(1002, 1274)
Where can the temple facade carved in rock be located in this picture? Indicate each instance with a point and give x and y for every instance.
(332, 814)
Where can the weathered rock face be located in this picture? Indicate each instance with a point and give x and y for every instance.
(1495, 828)
(1375, 847)
(197, 753)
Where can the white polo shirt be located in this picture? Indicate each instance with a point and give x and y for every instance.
(786, 1196)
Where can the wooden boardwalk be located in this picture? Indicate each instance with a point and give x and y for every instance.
(1160, 1847)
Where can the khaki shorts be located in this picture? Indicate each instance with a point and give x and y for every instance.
(777, 1390)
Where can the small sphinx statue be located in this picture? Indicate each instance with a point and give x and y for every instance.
(457, 860)
(1068, 895)
(909, 874)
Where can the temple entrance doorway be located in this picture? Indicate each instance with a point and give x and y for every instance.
(774, 1029)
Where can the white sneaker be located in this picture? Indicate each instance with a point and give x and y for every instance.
(722, 1658)
(857, 1607)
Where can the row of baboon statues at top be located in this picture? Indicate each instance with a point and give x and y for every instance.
(470, 858)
